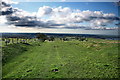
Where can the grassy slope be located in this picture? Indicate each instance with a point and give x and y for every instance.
(73, 59)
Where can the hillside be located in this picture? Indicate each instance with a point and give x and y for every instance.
(95, 58)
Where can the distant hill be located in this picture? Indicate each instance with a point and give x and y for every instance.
(33, 35)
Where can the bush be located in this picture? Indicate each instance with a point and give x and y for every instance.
(41, 37)
(12, 51)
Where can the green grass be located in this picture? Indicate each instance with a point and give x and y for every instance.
(72, 59)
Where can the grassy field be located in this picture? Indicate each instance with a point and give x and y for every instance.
(58, 59)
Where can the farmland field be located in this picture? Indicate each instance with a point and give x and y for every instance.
(95, 58)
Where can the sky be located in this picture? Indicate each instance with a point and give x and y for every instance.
(63, 16)
(67, 0)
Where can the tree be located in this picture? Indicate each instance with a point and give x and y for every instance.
(41, 37)
(3, 39)
(51, 38)
(65, 39)
(7, 41)
(77, 38)
(83, 39)
(17, 40)
(12, 40)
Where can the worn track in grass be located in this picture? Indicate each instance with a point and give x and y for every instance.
(72, 59)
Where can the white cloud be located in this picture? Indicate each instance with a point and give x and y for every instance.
(22, 13)
(63, 0)
(59, 11)
(10, 2)
(66, 15)
(3, 20)
(59, 17)
(45, 10)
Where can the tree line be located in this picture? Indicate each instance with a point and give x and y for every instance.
(38, 37)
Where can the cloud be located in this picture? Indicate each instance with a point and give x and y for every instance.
(118, 3)
(28, 21)
(63, 0)
(5, 4)
(66, 15)
(57, 17)
(76, 26)
(9, 2)
(6, 8)
(118, 24)
(45, 10)
(59, 11)
(21, 18)
(2, 20)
